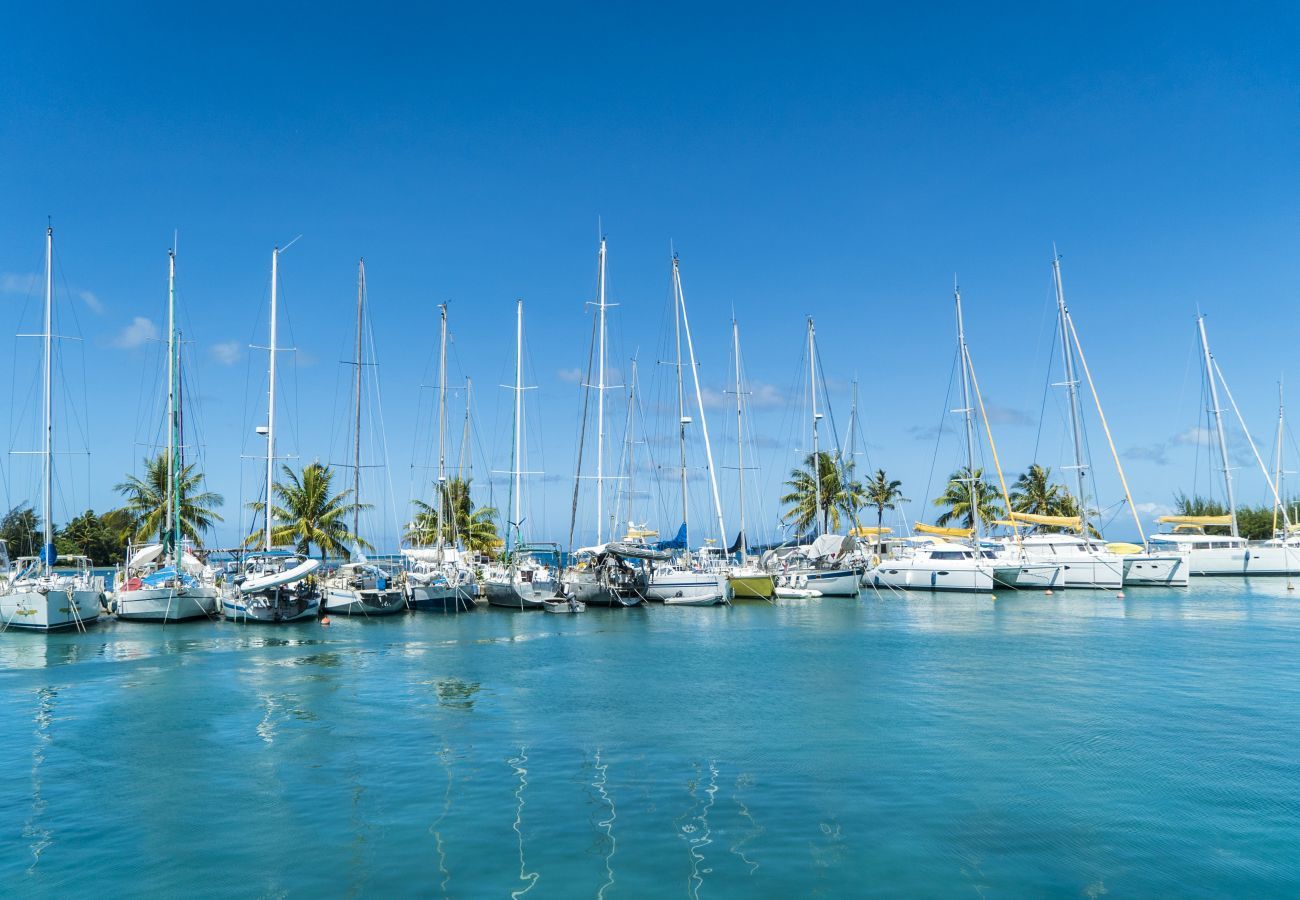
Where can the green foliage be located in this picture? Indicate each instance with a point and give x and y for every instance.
(308, 514)
(99, 537)
(882, 493)
(20, 529)
(1034, 492)
(956, 499)
(1255, 523)
(146, 502)
(839, 493)
(475, 528)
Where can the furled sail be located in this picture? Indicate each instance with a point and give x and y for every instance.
(944, 532)
(1195, 520)
(1074, 522)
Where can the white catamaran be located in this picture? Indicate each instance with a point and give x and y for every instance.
(164, 581)
(35, 596)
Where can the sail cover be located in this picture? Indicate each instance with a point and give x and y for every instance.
(944, 532)
(1195, 520)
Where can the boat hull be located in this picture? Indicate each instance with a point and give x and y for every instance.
(1156, 569)
(442, 598)
(57, 610)
(166, 604)
(271, 609)
(694, 589)
(752, 587)
(350, 602)
(1029, 576)
(1244, 561)
(509, 596)
(898, 574)
(832, 582)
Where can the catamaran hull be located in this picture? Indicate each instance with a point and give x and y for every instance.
(347, 602)
(1240, 561)
(1029, 576)
(1159, 570)
(442, 598)
(57, 610)
(1093, 573)
(270, 610)
(908, 578)
(166, 604)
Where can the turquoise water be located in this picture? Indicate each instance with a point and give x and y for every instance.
(1067, 745)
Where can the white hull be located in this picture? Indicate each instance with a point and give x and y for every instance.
(1029, 575)
(349, 602)
(166, 604)
(1157, 569)
(523, 595)
(830, 582)
(54, 611)
(442, 597)
(688, 589)
(926, 575)
(1093, 573)
(1250, 560)
(269, 609)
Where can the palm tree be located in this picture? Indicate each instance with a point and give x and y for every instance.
(307, 513)
(476, 528)
(839, 494)
(146, 502)
(883, 494)
(1035, 493)
(956, 499)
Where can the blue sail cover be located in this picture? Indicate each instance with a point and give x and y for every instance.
(677, 543)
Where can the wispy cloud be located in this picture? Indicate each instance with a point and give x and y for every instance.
(93, 303)
(925, 432)
(16, 283)
(138, 332)
(1152, 453)
(1153, 510)
(758, 396)
(227, 352)
(1005, 415)
(569, 376)
(1192, 437)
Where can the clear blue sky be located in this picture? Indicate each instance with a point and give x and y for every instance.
(838, 161)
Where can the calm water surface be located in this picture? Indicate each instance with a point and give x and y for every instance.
(1066, 745)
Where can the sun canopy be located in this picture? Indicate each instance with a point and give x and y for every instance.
(1120, 548)
(1053, 521)
(1195, 520)
(944, 532)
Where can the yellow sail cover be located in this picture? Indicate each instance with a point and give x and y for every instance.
(1055, 521)
(870, 531)
(945, 532)
(1195, 520)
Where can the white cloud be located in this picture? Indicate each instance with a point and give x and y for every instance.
(1153, 510)
(1192, 436)
(14, 283)
(138, 332)
(1005, 415)
(94, 303)
(569, 376)
(227, 352)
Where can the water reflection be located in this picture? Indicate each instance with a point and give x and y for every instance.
(607, 823)
(33, 830)
(456, 694)
(444, 757)
(522, 771)
(738, 848)
(694, 827)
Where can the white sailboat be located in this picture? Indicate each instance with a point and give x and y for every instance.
(528, 576)
(438, 578)
(827, 564)
(745, 579)
(687, 580)
(1229, 554)
(273, 585)
(164, 582)
(358, 587)
(36, 596)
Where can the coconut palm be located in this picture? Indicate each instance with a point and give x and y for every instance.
(1035, 493)
(956, 499)
(883, 493)
(838, 493)
(308, 514)
(146, 502)
(476, 528)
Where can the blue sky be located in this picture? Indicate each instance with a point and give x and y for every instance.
(836, 161)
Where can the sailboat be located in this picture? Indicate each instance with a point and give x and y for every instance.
(745, 579)
(528, 577)
(690, 580)
(437, 577)
(164, 581)
(359, 587)
(1086, 561)
(608, 573)
(36, 596)
(827, 564)
(1229, 554)
(272, 585)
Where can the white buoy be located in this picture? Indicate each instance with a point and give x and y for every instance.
(993, 597)
(1049, 592)
(1119, 596)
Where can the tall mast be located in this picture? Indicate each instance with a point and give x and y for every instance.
(1277, 475)
(600, 397)
(699, 405)
(442, 424)
(740, 441)
(465, 466)
(519, 394)
(1218, 420)
(682, 419)
(816, 459)
(270, 399)
(47, 500)
(629, 443)
(173, 524)
(1072, 385)
(356, 446)
(966, 412)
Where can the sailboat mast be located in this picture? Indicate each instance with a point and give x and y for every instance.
(600, 399)
(519, 396)
(270, 399)
(1277, 475)
(1072, 385)
(699, 407)
(816, 457)
(465, 466)
(967, 413)
(172, 525)
(682, 418)
(356, 444)
(442, 424)
(47, 499)
(1218, 420)
(740, 442)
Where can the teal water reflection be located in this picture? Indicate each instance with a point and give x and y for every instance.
(1072, 744)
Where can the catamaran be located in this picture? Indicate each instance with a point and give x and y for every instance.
(359, 587)
(272, 585)
(35, 596)
(437, 577)
(1229, 554)
(165, 582)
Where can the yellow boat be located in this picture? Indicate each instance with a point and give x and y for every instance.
(752, 586)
